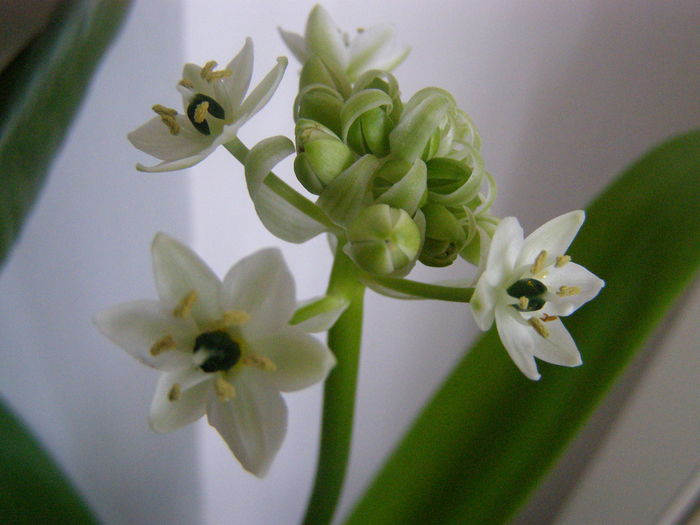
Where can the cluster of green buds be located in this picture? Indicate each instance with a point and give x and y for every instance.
(402, 180)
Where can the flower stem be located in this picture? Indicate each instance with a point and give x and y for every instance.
(282, 189)
(423, 290)
(344, 340)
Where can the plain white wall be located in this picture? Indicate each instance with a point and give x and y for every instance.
(565, 95)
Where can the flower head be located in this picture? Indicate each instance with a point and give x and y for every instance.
(214, 111)
(224, 349)
(527, 285)
(372, 48)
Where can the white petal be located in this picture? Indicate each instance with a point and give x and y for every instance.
(261, 285)
(325, 39)
(301, 359)
(483, 303)
(235, 86)
(138, 325)
(178, 272)
(518, 337)
(263, 91)
(253, 423)
(167, 415)
(389, 61)
(558, 347)
(366, 46)
(554, 237)
(192, 74)
(296, 44)
(155, 138)
(503, 250)
(572, 275)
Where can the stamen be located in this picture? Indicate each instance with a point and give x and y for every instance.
(200, 113)
(184, 307)
(230, 318)
(209, 74)
(565, 291)
(225, 391)
(523, 303)
(167, 117)
(562, 260)
(539, 326)
(538, 265)
(164, 110)
(261, 362)
(163, 345)
(549, 318)
(175, 392)
(186, 83)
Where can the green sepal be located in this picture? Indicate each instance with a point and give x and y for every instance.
(444, 236)
(454, 182)
(409, 191)
(350, 191)
(316, 70)
(418, 125)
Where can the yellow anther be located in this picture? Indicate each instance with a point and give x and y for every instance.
(200, 112)
(163, 345)
(261, 362)
(167, 116)
(184, 307)
(186, 83)
(225, 391)
(562, 260)
(539, 326)
(209, 74)
(565, 291)
(164, 110)
(549, 318)
(523, 303)
(538, 265)
(175, 392)
(230, 318)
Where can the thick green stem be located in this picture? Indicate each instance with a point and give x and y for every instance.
(282, 189)
(424, 290)
(339, 394)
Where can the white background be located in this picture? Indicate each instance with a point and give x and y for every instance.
(565, 95)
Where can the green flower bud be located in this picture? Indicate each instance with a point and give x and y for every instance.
(453, 182)
(444, 236)
(366, 122)
(322, 155)
(383, 240)
(318, 71)
(320, 103)
(401, 184)
(383, 81)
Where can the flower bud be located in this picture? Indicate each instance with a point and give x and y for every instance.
(318, 71)
(444, 236)
(322, 155)
(401, 184)
(320, 103)
(453, 182)
(366, 122)
(383, 81)
(383, 240)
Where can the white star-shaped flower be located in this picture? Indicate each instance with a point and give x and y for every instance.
(214, 111)
(373, 48)
(224, 349)
(527, 285)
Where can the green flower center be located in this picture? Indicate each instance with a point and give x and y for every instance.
(221, 350)
(200, 108)
(531, 290)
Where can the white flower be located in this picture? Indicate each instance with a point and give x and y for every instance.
(214, 111)
(527, 285)
(372, 48)
(224, 349)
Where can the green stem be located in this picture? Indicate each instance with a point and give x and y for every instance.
(344, 340)
(282, 189)
(424, 290)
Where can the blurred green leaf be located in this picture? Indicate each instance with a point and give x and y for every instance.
(41, 90)
(32, 489)
(489, 435)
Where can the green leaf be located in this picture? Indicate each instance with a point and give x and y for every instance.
(489, 435)
(42, 88)
(32, 489)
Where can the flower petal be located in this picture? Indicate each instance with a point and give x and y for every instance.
(253, 423)
(155, 138)
(138, 325)
(234, 87)
(262, 286)
(570, 275)
(325, 39)
(262, 92)
(558, 347)
(296, 44)
(301, 359)
(554, 237)
(169, 414)
(518, 337)
(369, 48)
(178, 272)
(483, 303)
(503, 251)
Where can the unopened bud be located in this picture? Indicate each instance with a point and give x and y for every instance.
(322, 155)
(444, 236)
(318, 71)
(321, 104)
